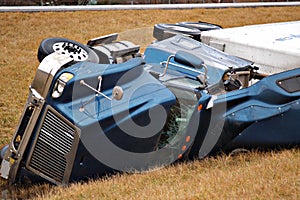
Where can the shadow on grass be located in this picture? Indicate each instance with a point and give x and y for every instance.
(42, 189)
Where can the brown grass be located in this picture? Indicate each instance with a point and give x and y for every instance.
(245, 176)
(250, 176)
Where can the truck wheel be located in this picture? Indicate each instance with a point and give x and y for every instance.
(202, 26)
(76, 50)
(164, 31)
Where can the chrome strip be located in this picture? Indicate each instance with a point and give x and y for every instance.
(46, 72)
(36, 100)
(14, 155)
(54, 148)
(182, 67)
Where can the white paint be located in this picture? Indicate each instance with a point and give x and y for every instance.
(274, 47)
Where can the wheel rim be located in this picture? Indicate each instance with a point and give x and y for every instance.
(70, 49)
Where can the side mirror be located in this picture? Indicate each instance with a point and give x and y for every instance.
(117, 93)
(189, 59)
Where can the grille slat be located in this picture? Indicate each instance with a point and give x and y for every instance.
(61, 125)
(54, 143)
(50, 140)
(48, 133)
(54, 130)
(53, 169)
(53, 126)
(58, 121)
(41, 151)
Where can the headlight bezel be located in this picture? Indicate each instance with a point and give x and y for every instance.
(60, 84)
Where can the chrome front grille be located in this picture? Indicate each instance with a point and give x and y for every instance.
(51, 157)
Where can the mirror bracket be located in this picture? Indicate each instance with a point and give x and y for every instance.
(117, 92)
(167, 65)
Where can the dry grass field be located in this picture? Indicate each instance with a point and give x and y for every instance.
(254, 175)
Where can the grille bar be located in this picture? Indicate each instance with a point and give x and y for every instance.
(53, 145)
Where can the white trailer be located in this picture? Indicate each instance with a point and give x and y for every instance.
(273, 47)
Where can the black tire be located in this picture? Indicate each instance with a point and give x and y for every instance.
(47, 47)
(201, 26)
(164, 31)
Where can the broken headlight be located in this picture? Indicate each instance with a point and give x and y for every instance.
(60, 84)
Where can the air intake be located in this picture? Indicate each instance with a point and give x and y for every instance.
(51, 156)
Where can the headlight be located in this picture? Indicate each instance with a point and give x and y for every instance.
(60, 84)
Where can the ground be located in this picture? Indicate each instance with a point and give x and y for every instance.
(254, 175)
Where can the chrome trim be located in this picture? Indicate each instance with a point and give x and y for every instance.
(15, 154)
(46, 72)
(35, 101)
(167, 64)
(182, 67)
(54, 148)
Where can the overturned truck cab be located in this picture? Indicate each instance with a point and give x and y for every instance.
(93, 110)
(84, 119)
